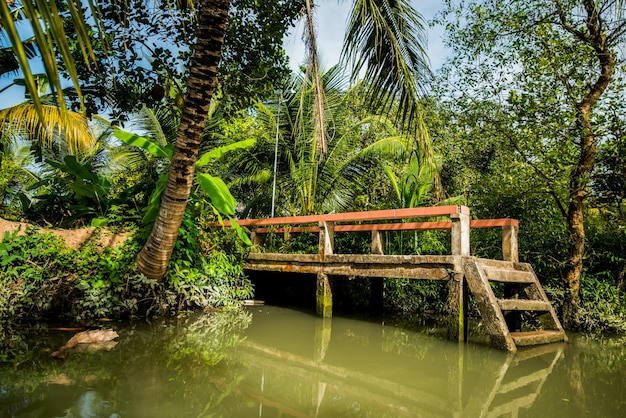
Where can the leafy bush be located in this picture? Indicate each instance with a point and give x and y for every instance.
(41, 277)
(603, 307)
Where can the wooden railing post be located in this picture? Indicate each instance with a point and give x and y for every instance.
(509, 243)
(255, 237)
(378, 242)
(327, 238)
(460, 234)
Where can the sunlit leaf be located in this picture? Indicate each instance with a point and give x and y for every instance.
(218, 152)
(144, 143)
(218, 192)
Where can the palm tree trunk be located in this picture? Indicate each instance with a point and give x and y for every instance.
(153, 258)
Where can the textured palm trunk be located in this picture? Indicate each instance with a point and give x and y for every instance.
(152, 260)
(596, 38)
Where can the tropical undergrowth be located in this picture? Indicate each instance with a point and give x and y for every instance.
(41, 278)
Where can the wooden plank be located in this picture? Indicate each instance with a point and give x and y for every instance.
(510, 250)
(509, 276)
(425, 260)
(326, 238)
(355, 265)
(457, 307)
(536, 291)
(378, 243)
(296, 258)
(499, 264)
(523, 305)
(537, 337)
(460, 234)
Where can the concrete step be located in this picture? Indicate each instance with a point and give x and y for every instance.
(509, 276)
(523, 305)
(537, 337)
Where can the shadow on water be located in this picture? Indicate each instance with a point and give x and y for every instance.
(269, 361)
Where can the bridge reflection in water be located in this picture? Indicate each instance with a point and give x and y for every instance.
(341, 367)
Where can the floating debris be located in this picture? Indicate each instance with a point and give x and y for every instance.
(98, 339)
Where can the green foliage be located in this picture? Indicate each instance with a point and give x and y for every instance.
(76, 192)
(40, 277)
(603, 306)
(348, 176)
(515, 144)
(415, 296)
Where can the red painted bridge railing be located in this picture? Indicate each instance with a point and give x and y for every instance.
(328, 224)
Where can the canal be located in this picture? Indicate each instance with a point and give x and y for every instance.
(279, 362)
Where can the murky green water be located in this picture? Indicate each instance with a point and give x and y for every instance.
(279, 362)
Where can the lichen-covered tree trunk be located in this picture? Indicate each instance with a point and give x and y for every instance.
(152, 260)
(595, 37)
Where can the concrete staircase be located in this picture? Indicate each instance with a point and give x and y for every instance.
(503, 291)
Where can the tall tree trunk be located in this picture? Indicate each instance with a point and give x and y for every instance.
(596, 38)
(153, 258)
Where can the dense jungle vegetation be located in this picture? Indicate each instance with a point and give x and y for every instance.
(526, 121)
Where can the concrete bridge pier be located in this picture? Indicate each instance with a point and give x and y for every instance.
(324, 296)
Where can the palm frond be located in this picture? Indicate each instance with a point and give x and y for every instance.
(386, 42)
(49, 34)
(48, 125)
(8, 24)
(392, 146)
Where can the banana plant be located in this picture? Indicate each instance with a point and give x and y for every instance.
(221, 200)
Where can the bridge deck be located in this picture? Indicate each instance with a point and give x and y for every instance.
(357, 265)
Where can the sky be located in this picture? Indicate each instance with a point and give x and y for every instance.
(331, 23)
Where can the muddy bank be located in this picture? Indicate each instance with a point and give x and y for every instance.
(73, 238)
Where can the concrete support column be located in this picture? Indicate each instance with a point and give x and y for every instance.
(377, 284)
(324, 296)
(510, 250)
(457, 306)
(323, 332)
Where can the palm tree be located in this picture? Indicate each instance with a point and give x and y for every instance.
(387, 24)
(319, 177)
(309, 181)
(153, 258)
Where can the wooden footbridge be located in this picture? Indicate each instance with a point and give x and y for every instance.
(500, 306)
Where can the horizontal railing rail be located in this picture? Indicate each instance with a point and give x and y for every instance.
(407, 226)
(375, 215)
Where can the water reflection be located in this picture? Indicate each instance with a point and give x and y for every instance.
(385, 369)
(272, 362)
